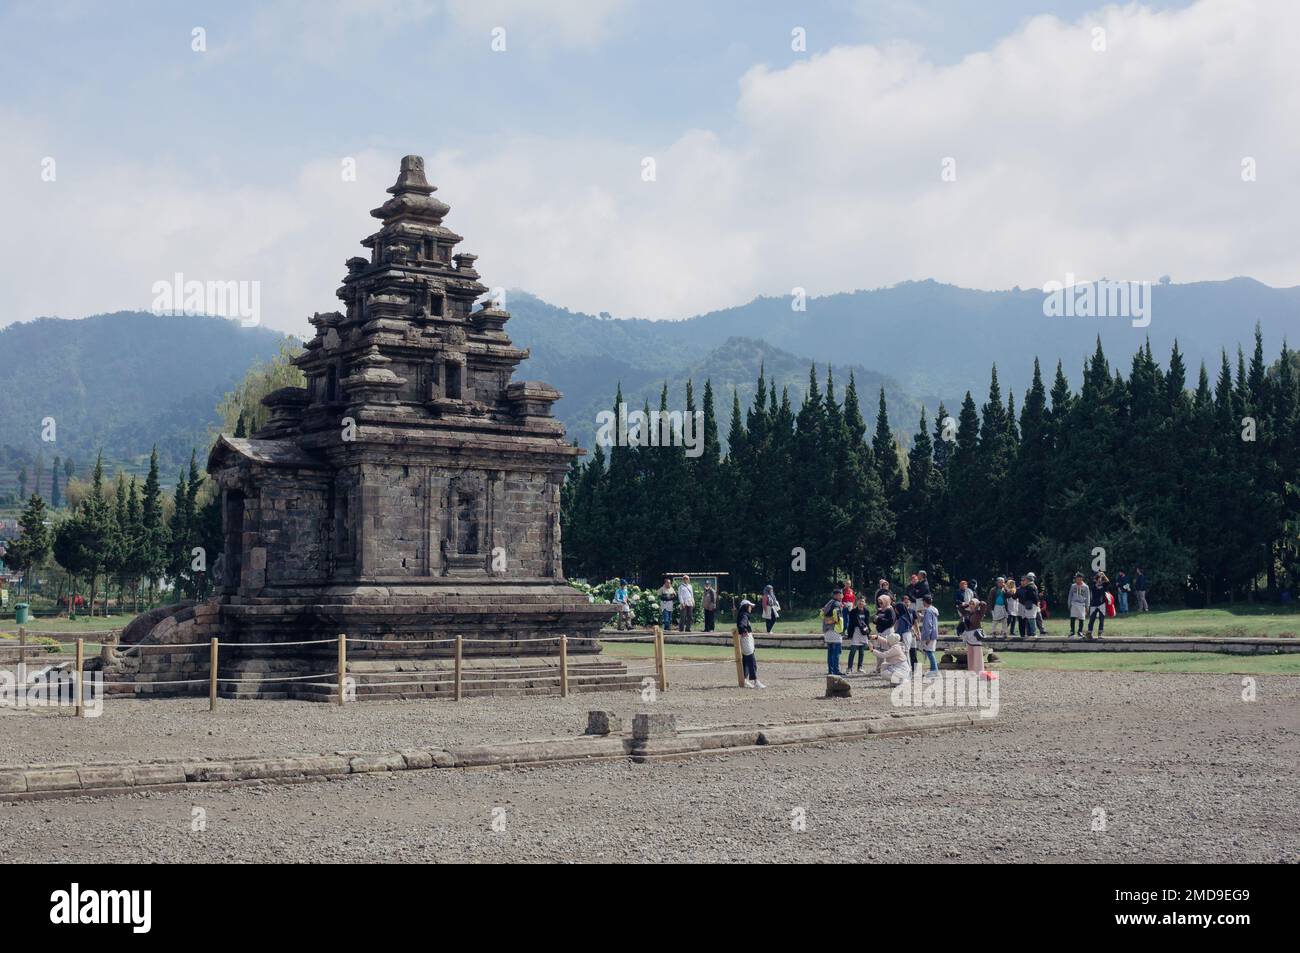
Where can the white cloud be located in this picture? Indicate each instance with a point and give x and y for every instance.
(1124, 163)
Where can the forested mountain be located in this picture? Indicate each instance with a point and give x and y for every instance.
(126, 381)
(122, 382)
(929, 338)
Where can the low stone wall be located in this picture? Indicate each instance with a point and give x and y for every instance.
(654, 736)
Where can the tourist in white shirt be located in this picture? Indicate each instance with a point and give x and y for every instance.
(685, 605)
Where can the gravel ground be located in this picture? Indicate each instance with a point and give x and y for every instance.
(1182, 767)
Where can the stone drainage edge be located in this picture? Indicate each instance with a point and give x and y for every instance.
(38, 782)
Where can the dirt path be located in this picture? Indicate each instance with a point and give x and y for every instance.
(1181, 766)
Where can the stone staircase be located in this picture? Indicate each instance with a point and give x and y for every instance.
(435, 679)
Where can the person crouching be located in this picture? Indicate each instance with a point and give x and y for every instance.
(892, 657)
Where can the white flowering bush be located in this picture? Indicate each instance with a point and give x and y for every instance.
(644, 602)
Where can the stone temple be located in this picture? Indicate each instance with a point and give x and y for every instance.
(409, 493)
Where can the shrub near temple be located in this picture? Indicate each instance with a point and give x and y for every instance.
(644, 602)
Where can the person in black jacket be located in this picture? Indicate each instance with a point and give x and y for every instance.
(1028, 596)
(917, 589)
(1097, 604)
(856, 627)
(886, 619)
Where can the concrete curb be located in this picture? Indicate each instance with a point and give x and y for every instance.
(653, 737)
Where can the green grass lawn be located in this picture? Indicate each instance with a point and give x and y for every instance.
(82, 624)
(1243, 621)
(1211, 663)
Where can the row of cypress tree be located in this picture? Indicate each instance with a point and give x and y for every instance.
(1196, 483)
(124, 537)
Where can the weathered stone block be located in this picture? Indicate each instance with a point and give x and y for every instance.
(53, 779)
(601, 722)
(837, 687)
(106, 776)
(143, 774)
(648, 725)
(13, 782)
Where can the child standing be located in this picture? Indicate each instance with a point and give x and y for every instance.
(747, 656)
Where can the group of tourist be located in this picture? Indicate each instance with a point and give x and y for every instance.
(894, 627)
(892, 630)
(682, 598)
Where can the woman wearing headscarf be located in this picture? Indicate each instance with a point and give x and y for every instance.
(771, 608)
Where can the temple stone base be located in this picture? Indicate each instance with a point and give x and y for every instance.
(401, 647)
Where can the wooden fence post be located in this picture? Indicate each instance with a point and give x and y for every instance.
(661, 668)
(740, 666)
(564, 666)
(343, 663)
(460, 642)
(22, 645)
(76, 681)
(212, 681)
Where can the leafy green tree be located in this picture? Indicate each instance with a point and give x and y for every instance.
(84, 543)
(33, 547)
(262, 378)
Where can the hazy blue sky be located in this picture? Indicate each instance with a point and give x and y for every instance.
(774, 167)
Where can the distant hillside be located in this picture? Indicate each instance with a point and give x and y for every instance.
(588, 357)
(735, 365)
(123, 382)
(931, 338)
(128, 380)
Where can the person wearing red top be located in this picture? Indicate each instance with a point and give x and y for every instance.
(850, 600)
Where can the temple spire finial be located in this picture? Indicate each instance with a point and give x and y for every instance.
(411, 178)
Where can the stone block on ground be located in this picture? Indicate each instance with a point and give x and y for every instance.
(838, 687)
(648, 725)
(602, 722)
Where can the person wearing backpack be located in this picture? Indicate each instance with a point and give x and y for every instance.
(833, 631)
